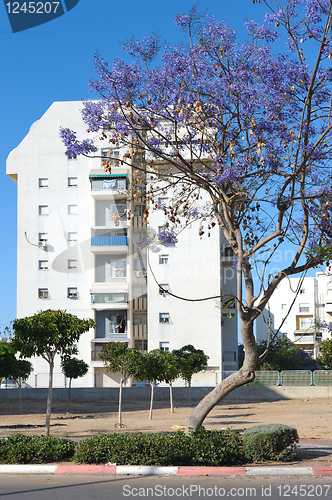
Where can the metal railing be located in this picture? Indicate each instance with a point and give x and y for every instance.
(294, 378)
(109, 240)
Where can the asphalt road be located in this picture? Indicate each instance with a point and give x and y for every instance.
(92, 487)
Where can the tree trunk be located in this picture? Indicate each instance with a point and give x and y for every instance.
(171, 396)
(189, 394)
(243, 376)
(120, 403)
(20, 392)
(69, 394)
(49, 400)
(151, 400)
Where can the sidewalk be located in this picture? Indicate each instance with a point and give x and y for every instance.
(314, 459)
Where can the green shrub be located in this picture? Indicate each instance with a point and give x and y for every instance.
(269, 442)
(22, 449)
(202, 448)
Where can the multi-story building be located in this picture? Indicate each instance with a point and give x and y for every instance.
(77, 227)
(298, 307)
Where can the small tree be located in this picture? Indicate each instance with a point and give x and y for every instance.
(7, 359)
(190, 361)
(150, 369)
(325, 357)
(118, 358)
(20, 372)
(47, 334)
(73, 368)
(170, 371)
(18, 369)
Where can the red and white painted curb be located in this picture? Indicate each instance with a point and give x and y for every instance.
(144, 470)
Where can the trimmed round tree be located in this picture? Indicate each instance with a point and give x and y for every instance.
(47, 334)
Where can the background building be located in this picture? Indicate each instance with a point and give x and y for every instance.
(311, 306)
(76, 231)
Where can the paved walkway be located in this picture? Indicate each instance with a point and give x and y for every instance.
(311, 450)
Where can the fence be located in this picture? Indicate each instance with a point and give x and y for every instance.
(290, 378)
(294, 378)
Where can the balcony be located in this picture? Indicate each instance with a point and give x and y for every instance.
(109, 300)
(305, 336)
(109, 240)
(98, 345)
(306, 339)
(108, 184)
(103, 242)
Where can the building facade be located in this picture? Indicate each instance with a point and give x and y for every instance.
(77, 227)
(298, 315)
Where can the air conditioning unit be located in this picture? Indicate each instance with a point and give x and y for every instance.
(140, 274)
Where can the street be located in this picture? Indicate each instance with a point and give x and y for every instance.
(78, 487)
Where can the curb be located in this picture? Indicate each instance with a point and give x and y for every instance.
(144, 470)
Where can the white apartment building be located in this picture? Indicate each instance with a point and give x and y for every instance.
(310, 306)
(76, 252)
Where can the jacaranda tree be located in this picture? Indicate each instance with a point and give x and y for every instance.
(249, 125)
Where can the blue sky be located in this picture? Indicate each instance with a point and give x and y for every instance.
(54, 62)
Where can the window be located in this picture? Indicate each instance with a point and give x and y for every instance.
(43, 238)
(116, 213)
(72, 236)
(71, 157)
(164, 318)
(72, 209)
(284, 307)
(164, 346)
(163, 259)
(304, 308)
(72, 181)
(43, 209)
(72, 293)
(163, 289)
(43, 293)
(43, 265)
(110, 158)
(43, 183)
(118, 269)
(72, 264)
(306, 323)
(141, 345)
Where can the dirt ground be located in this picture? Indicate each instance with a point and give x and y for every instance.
(312, 418)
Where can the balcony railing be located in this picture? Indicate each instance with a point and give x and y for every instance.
(109, 298)
(108, 183)
(305, 339)
(109, 240)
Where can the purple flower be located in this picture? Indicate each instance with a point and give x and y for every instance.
(167, 235)
(75, 147)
